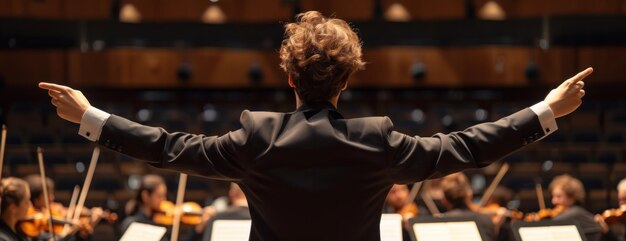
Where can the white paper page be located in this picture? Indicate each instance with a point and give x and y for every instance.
(550, 233)
(447, 231)
(231, 230)
(391, 227)
(143, 232)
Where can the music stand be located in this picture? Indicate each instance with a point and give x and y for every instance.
(548, 230)
(445, 228)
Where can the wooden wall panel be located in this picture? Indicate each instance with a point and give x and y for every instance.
(192, 10)
(157, 68)
(535, 8)
(609, 63)
(144, 67)
(88, 69)
(229, 68)
(87, 9)
(257, 11)
(348, 10)
(29, 67)
(431, 10)
(43, 8)
(11, 8)
(555, 65)
(484, 66)
(391, 67)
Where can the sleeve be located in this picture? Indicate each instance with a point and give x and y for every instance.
(217, 157)
(414, 158)
(91, 123)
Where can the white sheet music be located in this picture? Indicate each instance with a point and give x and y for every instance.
(391, 227)
(143, 232)
(444, 231)
(550, 233)
(231, 230)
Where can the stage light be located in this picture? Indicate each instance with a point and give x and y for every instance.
(130, 14)
(396, 12)
(213, 15)
(480, 115)
(492, 11)
(417, 116)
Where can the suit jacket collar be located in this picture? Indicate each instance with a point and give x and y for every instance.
(310, 109)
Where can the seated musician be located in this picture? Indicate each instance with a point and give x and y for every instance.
(568, 194)
(152, 191)
(500, 198)
(398, 201)
(15, 203)
(38, 201)
(615, 231)
(238, 210)
(458, 195)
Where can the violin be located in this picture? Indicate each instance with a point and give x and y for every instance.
(495, 210)
(37, 222)
(191, 213)
(614, 215)
(545, 213)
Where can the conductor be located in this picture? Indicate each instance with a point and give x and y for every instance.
(312, 174)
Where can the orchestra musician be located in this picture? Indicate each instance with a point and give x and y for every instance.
(314, 155)
(14, 207)
(151, 194)
(399, 201)
(152, 191)
(615, 231)
(568, 194)
(458, 194)
(238, 209)
(38, 202)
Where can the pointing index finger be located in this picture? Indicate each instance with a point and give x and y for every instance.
(581, 75)
(51, 86)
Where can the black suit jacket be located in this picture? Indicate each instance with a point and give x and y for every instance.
(313, 175)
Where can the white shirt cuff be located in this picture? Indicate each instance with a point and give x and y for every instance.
(546, 118)
(92, 122)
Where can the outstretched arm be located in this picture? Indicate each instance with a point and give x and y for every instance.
(218, 157)
(415, 158)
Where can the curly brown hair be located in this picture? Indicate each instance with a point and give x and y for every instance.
(319, 54)
(571, 186)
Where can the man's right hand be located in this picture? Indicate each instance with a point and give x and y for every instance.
(566, 98)
(71, 104)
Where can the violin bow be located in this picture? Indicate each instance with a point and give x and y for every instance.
(494, 184)
(44, 185)
(415, 190)
(71, 208)
(85, 189)
(180, 195)
(4, 141)
(540, 199)
(430, 204)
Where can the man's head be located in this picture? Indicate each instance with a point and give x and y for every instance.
(567, 190)
(36, 190)
(398, 196)
(456, 190)
(319, 54)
